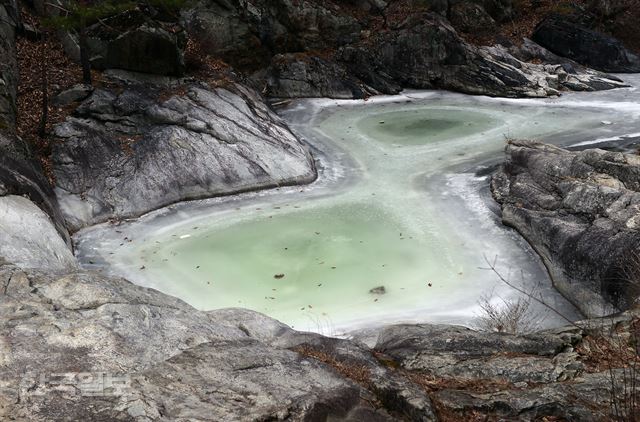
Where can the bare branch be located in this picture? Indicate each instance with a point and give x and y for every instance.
(492, 267)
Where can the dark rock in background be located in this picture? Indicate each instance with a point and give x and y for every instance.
(307, 49)
(74, 94)
(292, 76)
(230, 28)
(425, 52)
(157, 48)
(568, 39)
(470, 17)
(146, 49)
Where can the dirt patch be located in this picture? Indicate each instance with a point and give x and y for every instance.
(357, 373)
(42, 57)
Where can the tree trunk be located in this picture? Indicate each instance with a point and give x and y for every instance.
(84, 57)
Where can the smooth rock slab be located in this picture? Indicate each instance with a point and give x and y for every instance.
(124, 153)
(29, 239)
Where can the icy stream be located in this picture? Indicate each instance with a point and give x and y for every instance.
(401, 206)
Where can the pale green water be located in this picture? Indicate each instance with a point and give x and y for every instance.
(314, 262)
(397, 206)
(417, 127)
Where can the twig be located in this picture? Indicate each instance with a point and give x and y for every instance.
(492, 267)
(57, 6)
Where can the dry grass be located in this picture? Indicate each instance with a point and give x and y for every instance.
(509, 316)
(431, 383)
(357, 373)
(616, 352)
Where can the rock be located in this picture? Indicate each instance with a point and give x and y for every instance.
(84, 346)
(21, 175)
(29, 239)
(418, 347)
(230, 28)
(292, 76)
(579, 211)
(74, 94)
(557, 72)
(310, 25)
(470, 17)
(460, 353)
(499, 10)
(509, 377)
(427, 53)
(310, 49)
(575, 76)
(372, 6)
(126, 152)
(398, 394)
(587, 47)
(588, 399)
(134, 43)
(440, 7)
(147, 49)
(88, 347)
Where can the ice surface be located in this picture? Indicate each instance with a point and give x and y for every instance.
(401, 202)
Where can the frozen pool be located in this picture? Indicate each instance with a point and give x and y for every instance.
(395, 229)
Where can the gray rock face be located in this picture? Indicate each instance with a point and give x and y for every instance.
(590, 48)
(506, 377)
(22, 176)
(81, 346)
(125, 153)
(28, 239)
(74, 94)
(581, 213)
(461, 353)
(159, 359)
(294, 77)
(586, 399)
(498, 10)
